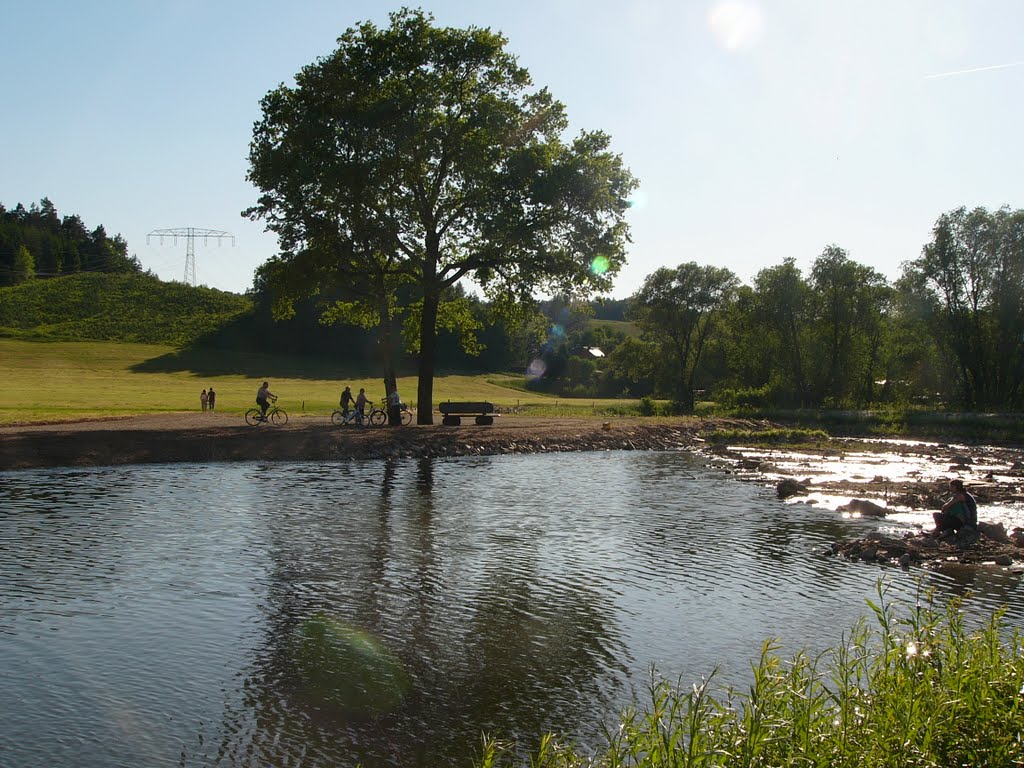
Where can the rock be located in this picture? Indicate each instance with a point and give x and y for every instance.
(1017, 465)
(863, 507)
(789, 487)
(905, 560)
(868, 554)
(995, 532)
(962, 460)
(1004, 560)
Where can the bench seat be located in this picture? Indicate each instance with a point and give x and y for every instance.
(452, 412)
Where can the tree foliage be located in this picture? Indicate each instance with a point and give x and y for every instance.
(417, 156)
(970, 280)
(678, 308)
(37, 242)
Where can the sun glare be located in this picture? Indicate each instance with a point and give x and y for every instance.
(735, 24)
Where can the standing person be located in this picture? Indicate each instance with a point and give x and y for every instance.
(203, 399)
(395, 408)
(212, 397)
(361, 402)
(263, 397)
(961, 511)
(346, 400)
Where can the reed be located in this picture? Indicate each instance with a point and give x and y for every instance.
(915, 687)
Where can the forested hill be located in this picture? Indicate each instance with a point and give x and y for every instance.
(35, 242)
(116, 307)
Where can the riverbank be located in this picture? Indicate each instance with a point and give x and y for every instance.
(854, 477)
(199, 438)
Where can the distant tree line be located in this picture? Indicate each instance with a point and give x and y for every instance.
(949, 331)
(35, 242)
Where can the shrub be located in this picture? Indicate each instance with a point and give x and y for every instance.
(917, 690)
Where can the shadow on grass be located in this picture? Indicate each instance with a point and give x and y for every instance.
(207, 361)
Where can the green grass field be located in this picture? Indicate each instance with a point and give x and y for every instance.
(57, 381)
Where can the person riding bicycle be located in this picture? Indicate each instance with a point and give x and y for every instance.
(346, 401)
(263, 397)
(361, 403)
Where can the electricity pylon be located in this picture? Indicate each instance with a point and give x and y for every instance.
(190, 234)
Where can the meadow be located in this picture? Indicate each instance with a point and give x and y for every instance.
(60, 380)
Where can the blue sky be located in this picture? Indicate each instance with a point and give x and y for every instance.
(759, 130)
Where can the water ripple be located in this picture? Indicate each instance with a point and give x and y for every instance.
(316, 613)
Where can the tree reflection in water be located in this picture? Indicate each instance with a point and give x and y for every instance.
(377, 652)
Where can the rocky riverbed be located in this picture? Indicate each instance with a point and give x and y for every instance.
(899, 483)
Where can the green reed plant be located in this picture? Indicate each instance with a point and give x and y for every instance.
(915, 688)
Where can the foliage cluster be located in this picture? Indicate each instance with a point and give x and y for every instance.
(35, 242)
(919, 689)
(949, 333)
(416, 156)
(766, 436)
(122, 307)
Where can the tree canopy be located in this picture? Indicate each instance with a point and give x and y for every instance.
(415, 156)
(35, 242)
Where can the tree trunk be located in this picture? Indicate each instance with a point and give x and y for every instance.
(387, 349)
(428, 349)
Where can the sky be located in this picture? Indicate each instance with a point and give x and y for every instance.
(759, 130)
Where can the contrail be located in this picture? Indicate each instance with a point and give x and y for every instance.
(975, 69)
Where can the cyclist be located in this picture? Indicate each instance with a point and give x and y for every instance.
(346, 401)
(361, 403)
(263, 397)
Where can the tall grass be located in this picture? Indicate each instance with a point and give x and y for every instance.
(915, 688)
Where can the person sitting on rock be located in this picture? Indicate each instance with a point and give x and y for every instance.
(961, 511)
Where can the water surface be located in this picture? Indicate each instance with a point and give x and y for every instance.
(388, 613)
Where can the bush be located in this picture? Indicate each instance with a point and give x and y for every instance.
(918, 690)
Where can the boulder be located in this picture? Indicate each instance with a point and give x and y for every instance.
(863, 507)
(995, 532)
(790, 487)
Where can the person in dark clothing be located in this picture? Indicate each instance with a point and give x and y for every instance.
(961, 511)
(346, 401)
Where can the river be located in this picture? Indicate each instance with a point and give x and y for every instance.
(388, 613)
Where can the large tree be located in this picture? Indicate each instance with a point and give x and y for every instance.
(677, 309)
(427, 153)
(973, 273)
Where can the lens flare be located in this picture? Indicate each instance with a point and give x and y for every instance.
(535, 369)
(342, 666)
(600, 265)
(637, 200)
(557, 331)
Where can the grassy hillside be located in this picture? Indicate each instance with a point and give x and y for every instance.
(125, 307)
(57, 381)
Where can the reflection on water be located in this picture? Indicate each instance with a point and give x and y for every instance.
(389, 612)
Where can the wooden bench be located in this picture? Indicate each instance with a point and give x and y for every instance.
(452, 413)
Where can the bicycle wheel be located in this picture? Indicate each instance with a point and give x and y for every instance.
(337, 418)
(278, 417)
(378, 418)
(253, 417)
(406, 418)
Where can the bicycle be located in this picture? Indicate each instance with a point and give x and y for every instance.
(379, 414)
(353, 417)
(276, 416)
